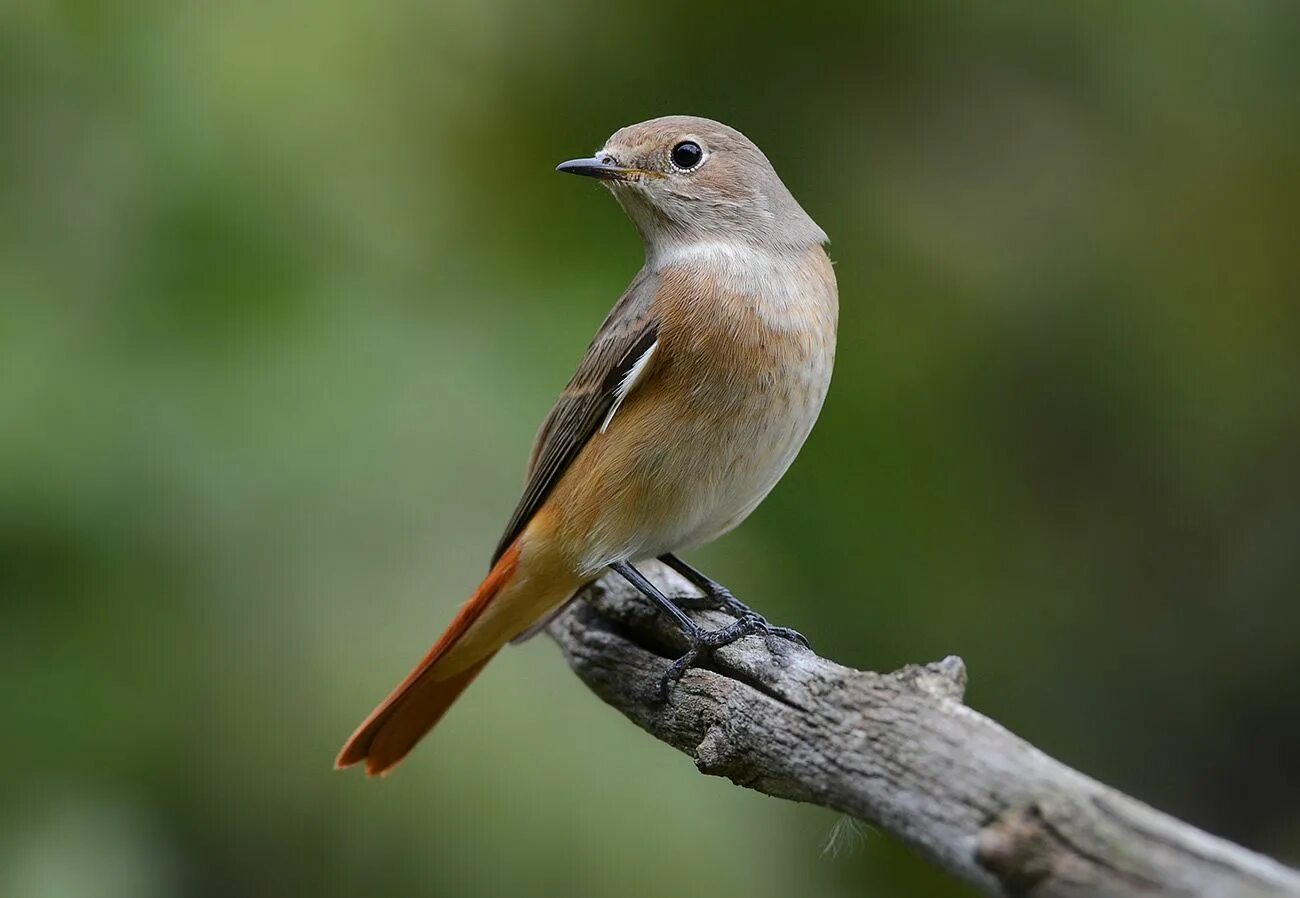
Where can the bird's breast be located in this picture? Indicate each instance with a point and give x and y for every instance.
(747, 360)
(737, 380)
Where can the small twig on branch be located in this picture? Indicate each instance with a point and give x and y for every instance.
(901, 751)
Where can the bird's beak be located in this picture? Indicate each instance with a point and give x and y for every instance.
(602, 167)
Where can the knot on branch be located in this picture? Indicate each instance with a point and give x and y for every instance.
(714, 754)
(1016, 848)
(940, 679)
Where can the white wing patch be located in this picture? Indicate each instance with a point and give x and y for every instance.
(629, 382)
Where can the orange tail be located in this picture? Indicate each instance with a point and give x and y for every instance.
(411, 710)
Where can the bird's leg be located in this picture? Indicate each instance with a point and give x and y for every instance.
(718, 596)
(700, 642)
(715, 594)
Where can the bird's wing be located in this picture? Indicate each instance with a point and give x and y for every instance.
(616, 359)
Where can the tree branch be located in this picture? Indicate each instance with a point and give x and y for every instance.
(901, 751)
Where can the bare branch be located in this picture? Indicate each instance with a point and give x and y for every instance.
(901, 751)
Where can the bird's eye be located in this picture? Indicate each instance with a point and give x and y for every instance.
(686, 155)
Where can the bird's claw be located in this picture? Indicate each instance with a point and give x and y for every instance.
(703, 643)
(719, 598)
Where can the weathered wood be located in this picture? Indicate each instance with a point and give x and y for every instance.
(901, 751)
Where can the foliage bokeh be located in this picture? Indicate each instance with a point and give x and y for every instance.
(286, 287)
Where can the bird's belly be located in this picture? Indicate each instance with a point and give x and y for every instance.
(751, 456)
(679, 476)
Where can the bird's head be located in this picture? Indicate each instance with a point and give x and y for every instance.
(683, 179)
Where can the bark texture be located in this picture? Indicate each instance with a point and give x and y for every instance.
(901, 751)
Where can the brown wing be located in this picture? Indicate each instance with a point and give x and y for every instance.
(626, 335)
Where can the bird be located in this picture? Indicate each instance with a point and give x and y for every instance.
(694, 397)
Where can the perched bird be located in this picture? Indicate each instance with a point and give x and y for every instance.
(693, 399)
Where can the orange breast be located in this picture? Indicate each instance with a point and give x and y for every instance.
(734, 388)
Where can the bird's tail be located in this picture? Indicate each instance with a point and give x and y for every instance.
(411, 710)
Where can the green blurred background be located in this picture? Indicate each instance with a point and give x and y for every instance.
(286, 287)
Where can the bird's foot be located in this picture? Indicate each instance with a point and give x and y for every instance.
(703, 643)
(717, 598)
